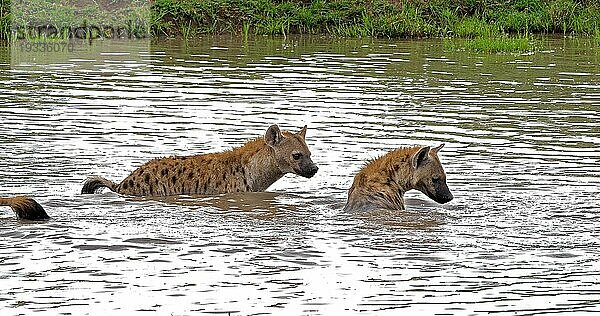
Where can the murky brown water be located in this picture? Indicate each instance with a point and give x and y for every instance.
(522, 157)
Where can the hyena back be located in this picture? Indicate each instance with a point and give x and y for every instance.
(381, 183)
(250, 168)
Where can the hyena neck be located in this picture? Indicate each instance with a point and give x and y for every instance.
(391, 193)
(393, 182)
(379, 186)
(261, 167)
(376, 197)
(390, 199)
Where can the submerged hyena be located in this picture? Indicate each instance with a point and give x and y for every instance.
(25, 207)
(381, 183)
(252, 167)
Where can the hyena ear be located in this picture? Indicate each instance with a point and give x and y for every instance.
(420, 157)
(273, 136)
(302, 132)
(437, 149)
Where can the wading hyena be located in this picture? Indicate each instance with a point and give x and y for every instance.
(250, 168)
(381, 183)
(25, 207)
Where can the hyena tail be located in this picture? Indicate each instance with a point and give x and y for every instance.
(25, 208)
(92, 184)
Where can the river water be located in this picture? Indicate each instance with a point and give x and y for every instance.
(522, 157)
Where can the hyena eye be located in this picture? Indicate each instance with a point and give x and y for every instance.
(436, 179)
(296, 156)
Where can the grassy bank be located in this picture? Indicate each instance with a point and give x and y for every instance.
(360, 18)
(43, 19)
(5, 19)
(376, 18)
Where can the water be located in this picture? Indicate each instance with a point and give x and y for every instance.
(521, 133)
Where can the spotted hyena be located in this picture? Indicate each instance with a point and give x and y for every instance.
(25, 207)
(252, 167)
(381, 183)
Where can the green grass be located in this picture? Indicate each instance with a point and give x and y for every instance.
(486, 22)
(500, 45)
(352, 18)
(379, 18)
(187, 30)
(71, 14)
(5, 20)
(471, 27)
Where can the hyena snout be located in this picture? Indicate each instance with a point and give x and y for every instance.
(437, 190)
(441, 192)
(308, 170)
(445, 197)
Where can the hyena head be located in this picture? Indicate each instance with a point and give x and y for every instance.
(429, 176)
(291, 152)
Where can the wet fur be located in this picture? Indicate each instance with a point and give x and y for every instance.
(252, 167)
(382, 182)
(25, 208)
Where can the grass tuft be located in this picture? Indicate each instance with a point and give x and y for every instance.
(501, 44)
(5, 20)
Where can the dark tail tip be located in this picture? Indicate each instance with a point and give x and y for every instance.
(27, 208)
(92, 184)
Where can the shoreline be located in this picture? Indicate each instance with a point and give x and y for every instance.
(376, 18)
(346, 18)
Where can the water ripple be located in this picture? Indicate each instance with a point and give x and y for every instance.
(521, 134)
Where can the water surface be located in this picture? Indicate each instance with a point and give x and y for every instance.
(522, 157)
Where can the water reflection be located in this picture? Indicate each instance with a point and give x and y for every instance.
(521, 157)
